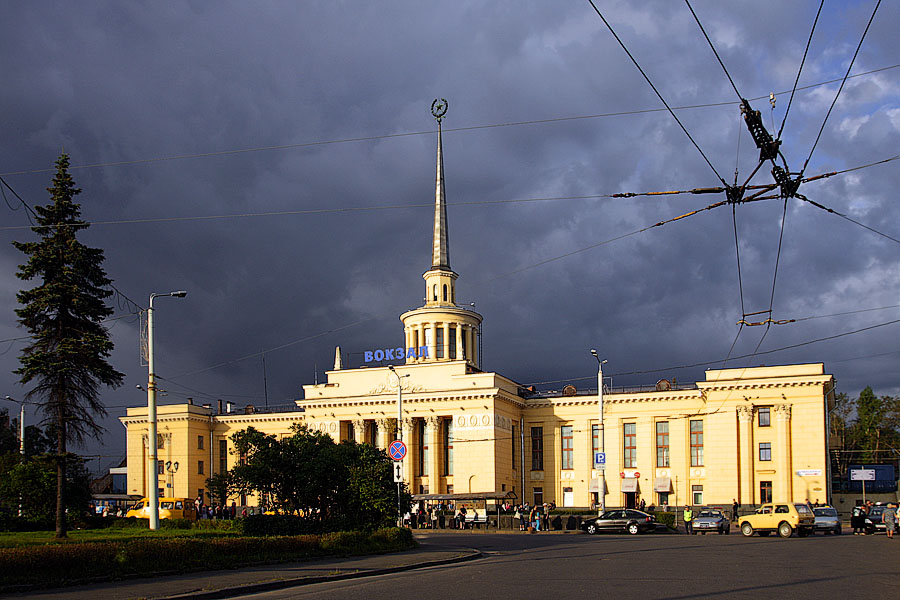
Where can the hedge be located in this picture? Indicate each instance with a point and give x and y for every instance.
(66, 563)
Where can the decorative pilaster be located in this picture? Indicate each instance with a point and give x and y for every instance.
(384, 433)
(409, 470)
(460, 332)
(434, 454)
(747, 492)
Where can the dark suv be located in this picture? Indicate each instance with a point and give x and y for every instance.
(620, 521)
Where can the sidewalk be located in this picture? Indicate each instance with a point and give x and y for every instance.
(226, 584)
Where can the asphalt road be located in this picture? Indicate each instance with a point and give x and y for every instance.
(642, 567)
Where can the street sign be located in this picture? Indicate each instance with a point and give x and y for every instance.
(862, 475)
(398, 472)
(397, 450)
(600, 460)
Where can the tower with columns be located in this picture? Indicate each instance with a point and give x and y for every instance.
(447, 331)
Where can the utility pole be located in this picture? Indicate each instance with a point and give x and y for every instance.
(602, 491)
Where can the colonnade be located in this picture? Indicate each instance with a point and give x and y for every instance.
(465, 345)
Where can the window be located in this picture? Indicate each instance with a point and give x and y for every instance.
(513, 446)
(765, 416)
(223, 456)
(765, 492)
(630, 448)
(663, 498)
(448, 447)
(200, 467)
(445, 292)
(696, 443)
(439, 350)
(568, 461)
(697, 493)
(538, 496)
(452, 344)
(450, 488)
(434, 289)
(199, 442)
(765, 451)
(595, 441)
(662, 444)
(160, 467)
(200, 494)
(537, 448)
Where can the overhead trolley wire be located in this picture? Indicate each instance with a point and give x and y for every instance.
(800, 70)
(843, 81)
(653, 87)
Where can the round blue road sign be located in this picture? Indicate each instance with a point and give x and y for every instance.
(397, 450)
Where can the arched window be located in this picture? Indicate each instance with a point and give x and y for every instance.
(434, 291)
(445, 292)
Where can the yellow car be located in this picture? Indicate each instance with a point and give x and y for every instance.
(784, 518)
(169, 508)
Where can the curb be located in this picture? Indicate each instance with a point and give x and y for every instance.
(253, 588)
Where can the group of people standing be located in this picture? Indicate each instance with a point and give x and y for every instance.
(536, 517)
(216, 511)
(864, 511)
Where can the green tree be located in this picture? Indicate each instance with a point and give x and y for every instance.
(31, 482)
(9, 438)
(64, 313)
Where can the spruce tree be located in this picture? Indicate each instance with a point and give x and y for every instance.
(64, 312)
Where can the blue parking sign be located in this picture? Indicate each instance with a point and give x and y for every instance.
(599, 458)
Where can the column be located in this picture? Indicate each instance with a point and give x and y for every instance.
(384, 437)
(746, 480)
(359, 431)
(446, 341)
(783, 452)
(460, 331)
(434, 454)
(408, 470)
(421, 339)
(476, 360)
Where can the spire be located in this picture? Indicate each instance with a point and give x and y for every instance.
(440, 258)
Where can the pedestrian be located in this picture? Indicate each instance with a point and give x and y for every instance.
(643, 505)
(889, 517)
(688, 518)
(546, 517)
(518, 517)
(734, 509)
(462, 517)
(858, 519)
(233, 509)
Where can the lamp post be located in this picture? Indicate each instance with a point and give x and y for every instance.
(21, 438)
(602, 490)
(152, 469)
(399, 434)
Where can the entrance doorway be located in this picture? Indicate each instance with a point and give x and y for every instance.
(568, 497)
(630, 499)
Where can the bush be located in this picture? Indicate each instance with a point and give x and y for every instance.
(176, 523)
(69, 562)
(666, 518)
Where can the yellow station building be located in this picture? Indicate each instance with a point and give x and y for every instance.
(753, 434)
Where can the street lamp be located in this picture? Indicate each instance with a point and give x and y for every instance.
(21, 438)
(399, 434)
(602, 490)
(152, 472)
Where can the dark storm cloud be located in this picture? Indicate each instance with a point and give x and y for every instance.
(114, 82)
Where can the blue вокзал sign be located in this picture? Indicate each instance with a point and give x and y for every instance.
(395, 354)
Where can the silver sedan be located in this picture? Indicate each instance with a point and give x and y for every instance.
(711, 519)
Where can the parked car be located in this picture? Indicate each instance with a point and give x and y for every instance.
(874, 524)
(711, 519)
(827, 520)
(782, 518)
(620, 521)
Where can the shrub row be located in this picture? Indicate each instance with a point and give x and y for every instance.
(57, 564)
(666, 518)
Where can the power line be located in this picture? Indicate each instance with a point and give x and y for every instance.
(713, 48)
(800, 70)
(837, 95)
(653, 87)
(428, 132)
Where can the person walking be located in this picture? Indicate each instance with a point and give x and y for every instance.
(889, 517)
(688, 517)
(857, 519)
(734, 509)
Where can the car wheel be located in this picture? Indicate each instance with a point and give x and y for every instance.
(785, 530)
(747, 529)
(591, 529)
(633, 529)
